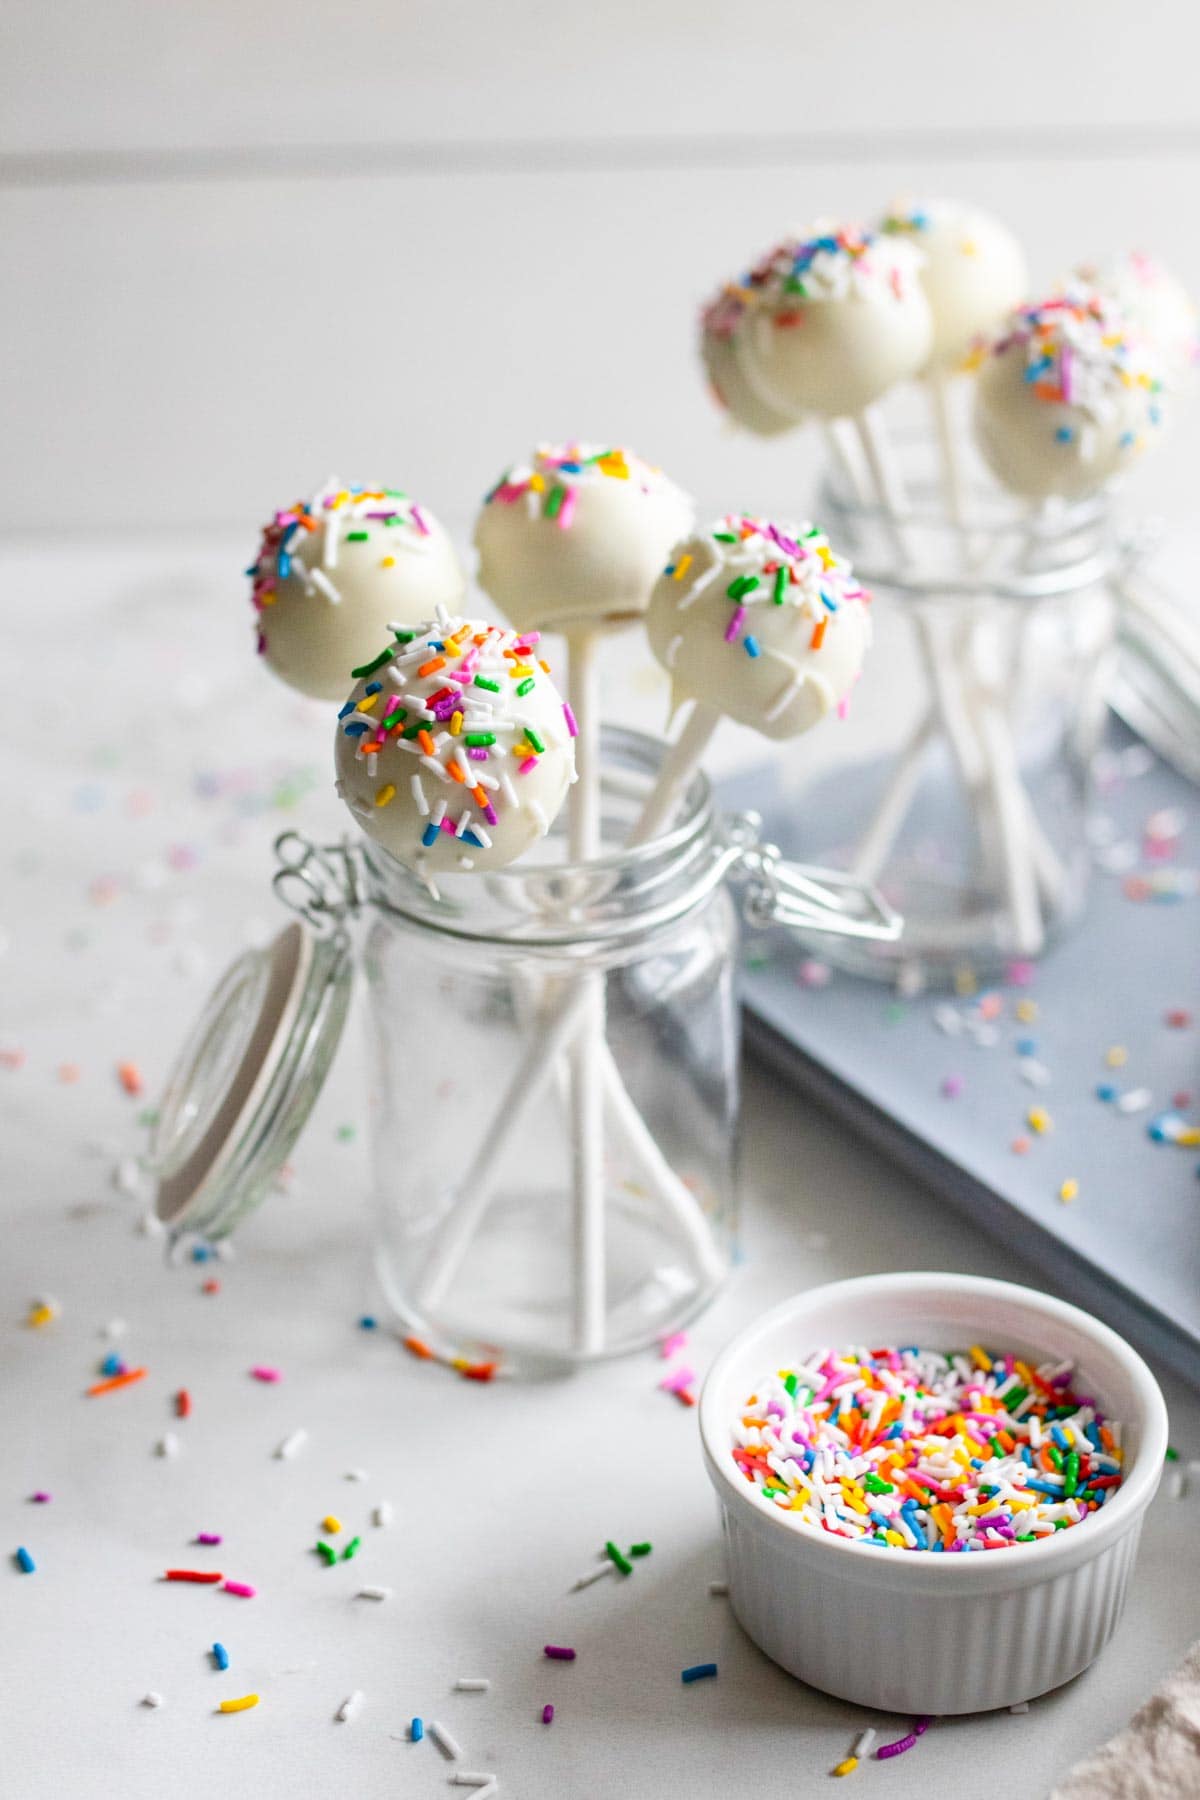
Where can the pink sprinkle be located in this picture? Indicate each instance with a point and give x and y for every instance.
(677, 1378)
(530, 762)
(953, 1086)
(529, 640)
(418, 519)
(812, 974)
(559, 1653)
(241, 1588)
(735, 624)
(674, 1342)
(547, 1713)
(208, 1537)
(1019, 974)
(566, 511)
(41, 1498)
(262, 1373)
(569, 716)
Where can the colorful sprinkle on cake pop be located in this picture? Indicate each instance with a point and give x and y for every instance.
(455, 750)
(331, 572)
(1067, 398)
(576, 535)
(722, 322)
(1156, 304)
(763, 622)
(831, 321)
(926, 1450)
(973, 273)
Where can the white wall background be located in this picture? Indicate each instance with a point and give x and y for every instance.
(247, 243)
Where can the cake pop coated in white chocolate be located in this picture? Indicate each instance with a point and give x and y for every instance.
(332, 571)
(973, 273)
(577, 535)
(1068, 397)
(732, 378)
(1156, 304)
(455, 750)
(764, 623)
(834, 320)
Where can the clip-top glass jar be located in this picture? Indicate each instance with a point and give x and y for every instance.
(515, 1020)
(965, 783)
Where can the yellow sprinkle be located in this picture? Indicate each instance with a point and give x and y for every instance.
(1027, 1011)
(386, 795)
(847, 1766)
(330, 1524)
(682, 567)
(367, 705)
(40, 1315)
(1116, 1056)
(389, 562)
(964, 980)
(980, 1358)
(827, 557)
(969, 247)
(242, 1705)
(268, 599)
(1068, 1189)
(893, 1537)
(1189, 1138)
(538, 483)
(519, 670)
(543, 665)
(455, 723)
(522, 749)
(1039, 1120)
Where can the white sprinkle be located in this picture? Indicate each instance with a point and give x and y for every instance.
(1022, 1706)
(350, 1705)
(1034, 1072)
(673, 651)
(1177, 1488)
(356, 1475)
(590, 1575)
(329, 542)
(291, 1445)
(863, 1742)
(153, 1699)
(127, 1176)
(783, 699)
(472, 1684)
(324, 586)
(375, 1593)
(167, 1445)
(115, 1328)
(383, 1514)
(443, 1740)
(718, 1588)
(150, 1225)
(1136, 1100)
(948, 1020)
(419, 797)
(473, 1778)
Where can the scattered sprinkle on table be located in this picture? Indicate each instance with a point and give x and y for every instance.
(203, 1577)
(25, 1562)
(167, 1445)
(331, 1523)
(350, 1705)
(375, 1593)
(352, 1549)
(472, 1684)
(243, 1704)
(548, 1713)
(697, 1672)
(242, 1589)
(900, 1745)
(383, 1514)
(261, 1372)
(208, 1537)
(618, 1561)
(924, 1450)
(445, 1742)
(126, 1379)
(559, 1653)
(416, 1730)
(183, 1404)
(130, 1078)
(220, 1656)
(291, 1445)
(152, 1699)
(41, 1498)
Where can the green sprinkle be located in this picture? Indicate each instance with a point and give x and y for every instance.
(385, 656)
(410, 731)
(1026, 1537)
(781, 581)
(357, 537)
(791, 1383)
(1055, 1455)
(1172, 1454)
(640, 1549)
(554, 500)
(351, 1549)
(523, 687)
(405, 637)
(1072, 1481)
(395, 493)
(493, 687)
(815, 531)
(724, 537)
(1014, 1398)
(479, 740)
(997, 1446)
(620, 1562)
(874, 1485)
(745, 584)
(327, 1551)
(536, 741)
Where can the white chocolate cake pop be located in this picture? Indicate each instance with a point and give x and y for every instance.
(764, 623)
(1067, 398)
(973, 273)
(576, 536)
(1156, 304)
(836, 320)
(455, 749)
(723, 323)
(330, 574)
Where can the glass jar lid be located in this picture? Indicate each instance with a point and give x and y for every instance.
(247, 1078)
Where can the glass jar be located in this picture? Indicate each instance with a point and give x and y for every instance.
(552, 1068)
(964, 782)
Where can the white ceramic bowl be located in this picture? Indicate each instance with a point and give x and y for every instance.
(908, 1631)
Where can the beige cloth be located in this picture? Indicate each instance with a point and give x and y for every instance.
(1157, 1756)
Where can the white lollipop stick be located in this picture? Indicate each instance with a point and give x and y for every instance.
(678, 766)
(885, 478)
(1012, 821)
(953, 484)
(587, 1046)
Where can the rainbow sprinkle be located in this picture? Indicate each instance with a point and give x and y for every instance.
(334, 516)
(928, 1450)
(799, 271)
(550, 484)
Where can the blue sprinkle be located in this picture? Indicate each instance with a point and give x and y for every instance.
(879, 1519)
(698, 1672)
(200, 1252)
(1106, 1091)
(416, 1730)
(752, 646)
(348, 708)
(372, 687)
(1026, 1046)
(468, 837)
(1027, 1456)
(429, 836)
(830, 603)
(355, 728)
(220, 1656)
(283, 565)
(28, 1566)
(1043, 1487)
(977, 1462)
(112, 1364)
(1060, 1437)
(367, 1323)
(1126, 440)
(1064, 434)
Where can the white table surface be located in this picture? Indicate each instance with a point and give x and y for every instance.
(127, 884)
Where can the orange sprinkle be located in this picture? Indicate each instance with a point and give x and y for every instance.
(479, 795)
(818, 636)
(455, 773)
(425, 741)
(418, 1348)
(117, 1381)
(130, 1077)
(432, 666)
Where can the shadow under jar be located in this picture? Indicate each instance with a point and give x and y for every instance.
(966, 777)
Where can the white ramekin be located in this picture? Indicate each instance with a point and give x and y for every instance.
(907, 1631)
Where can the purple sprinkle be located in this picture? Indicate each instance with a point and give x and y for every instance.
(898, 1748)
(735, 624)
(208, 1537)
(418, 519)
(559, 1653)
(547, 1713)
(41, 1497)
(953, 1086)
(478, 755)
(491, 815)
(573, 728)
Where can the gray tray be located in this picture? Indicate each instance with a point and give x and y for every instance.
(1128, 1247)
